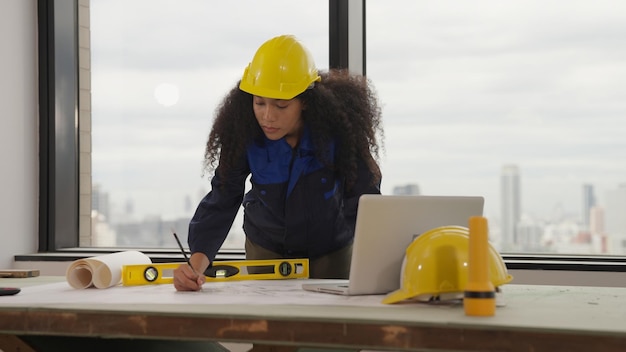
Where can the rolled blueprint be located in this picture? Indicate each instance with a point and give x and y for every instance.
(102, 271)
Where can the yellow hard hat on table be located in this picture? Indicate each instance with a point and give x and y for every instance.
(435, 264)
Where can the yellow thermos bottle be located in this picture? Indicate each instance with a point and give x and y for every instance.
(480, 295)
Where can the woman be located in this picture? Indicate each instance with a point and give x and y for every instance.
(309, 141)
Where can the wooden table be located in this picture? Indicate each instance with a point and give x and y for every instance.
(535, 318)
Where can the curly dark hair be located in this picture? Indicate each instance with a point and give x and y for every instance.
(343, 108)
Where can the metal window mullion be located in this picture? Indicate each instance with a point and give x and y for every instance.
(347, 35)
(58, 88)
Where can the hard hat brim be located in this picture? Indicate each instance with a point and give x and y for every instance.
(397, 296)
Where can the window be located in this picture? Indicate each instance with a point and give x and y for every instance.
(156, 78)
(520, 102)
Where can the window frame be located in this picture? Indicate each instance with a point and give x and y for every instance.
(59, 177)
(58, 124)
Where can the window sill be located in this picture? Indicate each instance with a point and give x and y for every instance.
(157, 255)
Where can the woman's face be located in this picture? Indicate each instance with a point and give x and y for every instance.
(279, 118)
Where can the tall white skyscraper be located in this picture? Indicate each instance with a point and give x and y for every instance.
(589, 201)
(510, 206)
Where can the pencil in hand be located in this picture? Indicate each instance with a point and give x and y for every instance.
(180, 245)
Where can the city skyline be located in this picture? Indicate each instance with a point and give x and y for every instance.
(563, 234)
(191, 199)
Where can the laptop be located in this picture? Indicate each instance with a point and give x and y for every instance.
(385, 226)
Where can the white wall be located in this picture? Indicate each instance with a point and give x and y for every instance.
(18, 130)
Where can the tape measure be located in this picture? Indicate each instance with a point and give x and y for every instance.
(163, 273)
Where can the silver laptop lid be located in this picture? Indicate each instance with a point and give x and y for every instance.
(387, 224)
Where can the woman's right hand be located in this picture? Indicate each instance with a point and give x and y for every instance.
(191, 277)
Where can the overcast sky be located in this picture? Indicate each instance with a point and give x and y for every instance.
(466, 88)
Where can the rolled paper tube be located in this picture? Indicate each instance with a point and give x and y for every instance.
(102, 271)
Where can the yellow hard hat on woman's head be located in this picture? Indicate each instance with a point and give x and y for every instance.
(282, 68)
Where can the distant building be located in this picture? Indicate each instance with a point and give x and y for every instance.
(407, 190)
(615, 221)
(596, 220)
(529, 235)
(597, 230)
(100, 202)
(510, 206)
(589, 201)
(102, 235)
